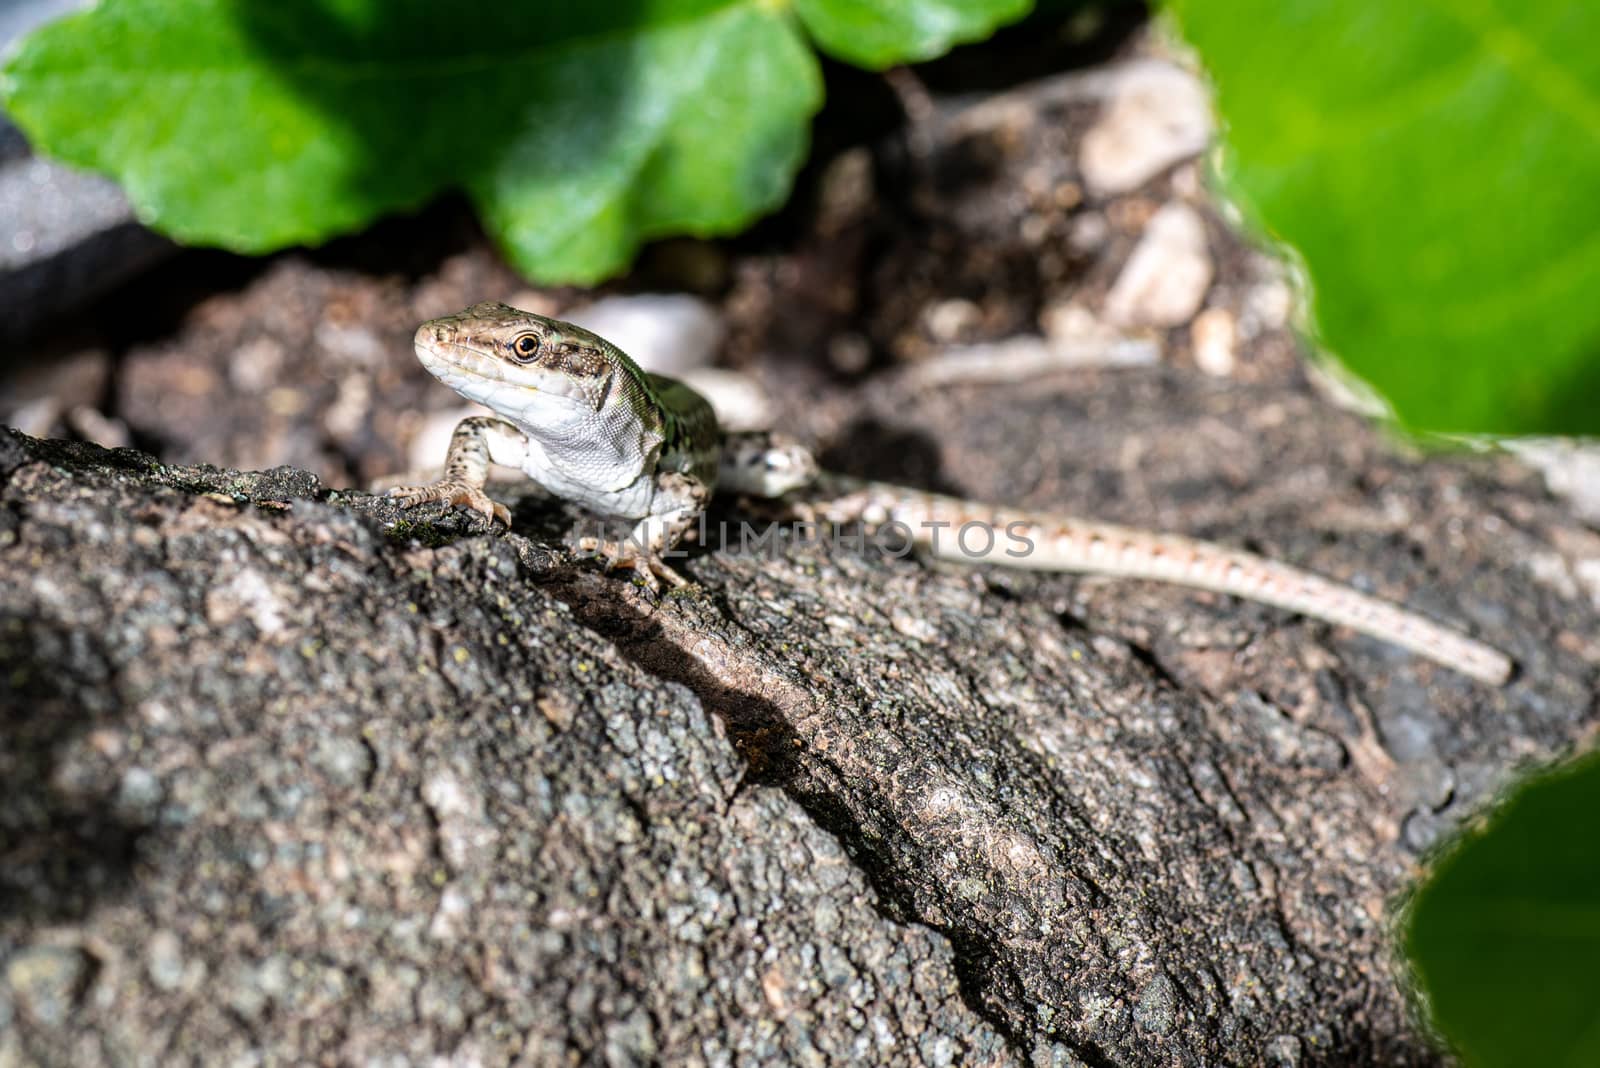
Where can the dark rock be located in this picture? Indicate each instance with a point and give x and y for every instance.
(66, 237)
(332, 782)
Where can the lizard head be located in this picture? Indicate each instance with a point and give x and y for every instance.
(528, 368)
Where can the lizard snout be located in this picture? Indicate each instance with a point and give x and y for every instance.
(435, 332)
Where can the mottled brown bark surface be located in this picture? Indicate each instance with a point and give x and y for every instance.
(294, 777)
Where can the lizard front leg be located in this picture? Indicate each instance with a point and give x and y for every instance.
(476, 443)
(676, 507)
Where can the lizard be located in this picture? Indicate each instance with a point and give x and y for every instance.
(585, 422)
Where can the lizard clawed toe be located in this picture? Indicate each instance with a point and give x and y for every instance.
(648, 567)
(453, 492)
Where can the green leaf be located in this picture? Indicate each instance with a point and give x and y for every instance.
(1505, 934)
(1436, 165)
(708, 124)
(880, 33)
(579, 129)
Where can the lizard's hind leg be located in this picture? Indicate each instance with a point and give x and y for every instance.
(679, 503)
(764, 464)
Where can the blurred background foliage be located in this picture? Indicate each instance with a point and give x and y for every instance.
(578, 130)
(1432, 165)
(1504, 933)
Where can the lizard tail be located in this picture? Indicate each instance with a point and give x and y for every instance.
(966, 531)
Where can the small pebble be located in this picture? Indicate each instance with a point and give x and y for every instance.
(1214, 339)
(667, 333)
(1166, 278)
(163, 960)
(1158, 114)
(47, 981)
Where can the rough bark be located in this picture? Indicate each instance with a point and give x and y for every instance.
(293, 777)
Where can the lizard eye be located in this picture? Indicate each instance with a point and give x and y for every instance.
(525, 348)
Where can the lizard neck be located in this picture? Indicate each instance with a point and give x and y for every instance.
(605, 449)
(677, 427)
